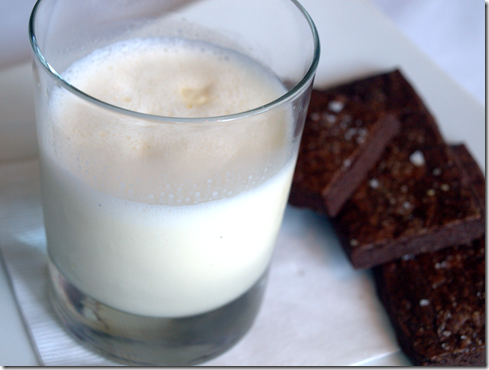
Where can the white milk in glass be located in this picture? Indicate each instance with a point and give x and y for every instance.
(159, 219)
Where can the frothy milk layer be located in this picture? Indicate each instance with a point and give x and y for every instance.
(173, 78)
(157, 219)
(184, 163)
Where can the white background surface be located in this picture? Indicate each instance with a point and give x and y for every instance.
(450, 32)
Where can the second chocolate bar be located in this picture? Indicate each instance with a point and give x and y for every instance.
(415, 200)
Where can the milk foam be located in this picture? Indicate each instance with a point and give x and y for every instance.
(166, 77)
(158, 219)
(173, 78)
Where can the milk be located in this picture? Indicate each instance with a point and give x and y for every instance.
(154, 219)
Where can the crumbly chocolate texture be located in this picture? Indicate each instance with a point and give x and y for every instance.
(415, 200)
(436, 301)
(346, 131)
(473, 176)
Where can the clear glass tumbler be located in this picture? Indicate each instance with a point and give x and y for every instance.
(168, 134)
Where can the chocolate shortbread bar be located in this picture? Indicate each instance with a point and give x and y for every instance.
(415, 200)
(436, 301)
(346, 131)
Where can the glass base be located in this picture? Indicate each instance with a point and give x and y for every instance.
(143, 340)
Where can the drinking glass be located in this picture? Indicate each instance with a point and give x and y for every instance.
(161, 227)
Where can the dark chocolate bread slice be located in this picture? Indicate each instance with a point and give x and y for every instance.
(473, 175)
(436, 301)
(415, 200)
(346, 131)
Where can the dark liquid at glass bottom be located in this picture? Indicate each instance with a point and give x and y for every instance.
(143, 340)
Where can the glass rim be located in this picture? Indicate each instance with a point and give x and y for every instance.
(288, 96)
